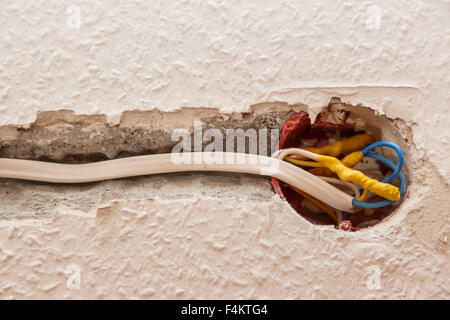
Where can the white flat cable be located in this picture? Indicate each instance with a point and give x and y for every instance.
(283, 153)
(346, 184)
(163, 163)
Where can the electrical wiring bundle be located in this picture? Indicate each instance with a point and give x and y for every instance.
(325, 164)
(330, 184)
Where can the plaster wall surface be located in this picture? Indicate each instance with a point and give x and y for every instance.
(108, 57)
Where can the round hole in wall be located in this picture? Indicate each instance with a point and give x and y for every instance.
(338, 122)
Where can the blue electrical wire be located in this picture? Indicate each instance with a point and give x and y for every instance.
(396, 148)
(397, 172)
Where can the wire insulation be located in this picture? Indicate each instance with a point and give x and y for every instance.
(383, 203)
(354, 143)
(169, 162)
(345, 173)
(391, 145)
(317, 203)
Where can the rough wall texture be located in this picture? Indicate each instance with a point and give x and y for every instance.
(142, 55)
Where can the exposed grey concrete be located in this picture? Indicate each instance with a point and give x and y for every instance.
(66, 137)
(21, 199)
(63, 136)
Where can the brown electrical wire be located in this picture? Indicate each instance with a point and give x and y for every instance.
(316, 202)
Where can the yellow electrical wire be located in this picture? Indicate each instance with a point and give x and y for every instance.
(327, 165)
(382, 189)
(320, 169)
(364, 195)
(350, 160)
(319, 204)
(354, 143)
(305, 163)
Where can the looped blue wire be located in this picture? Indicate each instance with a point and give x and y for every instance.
(397, 172)
(396, 148)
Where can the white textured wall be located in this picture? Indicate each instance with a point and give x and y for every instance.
(391, 56)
